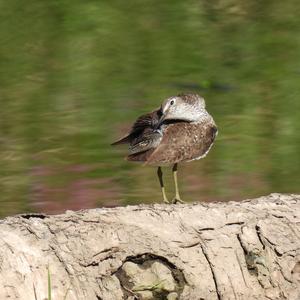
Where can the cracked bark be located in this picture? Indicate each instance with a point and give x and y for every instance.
(236, 250)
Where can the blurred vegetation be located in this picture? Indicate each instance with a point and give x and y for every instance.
(75, 74)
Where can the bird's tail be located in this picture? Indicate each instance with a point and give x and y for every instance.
(123, 140)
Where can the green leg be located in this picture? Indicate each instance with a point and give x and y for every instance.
(177, 196)
(160, 178)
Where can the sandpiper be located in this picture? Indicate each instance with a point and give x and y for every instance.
(181, 130)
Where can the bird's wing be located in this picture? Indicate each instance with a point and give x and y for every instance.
(144, 122)
(183, 142)
(149, 139)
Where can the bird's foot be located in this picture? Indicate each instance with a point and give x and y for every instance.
(165, 200)
(177, 200)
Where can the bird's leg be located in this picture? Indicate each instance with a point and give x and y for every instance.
(177, 196)
(160, 178)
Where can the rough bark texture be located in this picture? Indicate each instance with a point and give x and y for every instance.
(235, 250)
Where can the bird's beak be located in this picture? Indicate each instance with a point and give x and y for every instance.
(160, 121)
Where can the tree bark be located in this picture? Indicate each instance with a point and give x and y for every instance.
(235, 250)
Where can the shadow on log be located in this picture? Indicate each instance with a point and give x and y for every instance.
(235, 250)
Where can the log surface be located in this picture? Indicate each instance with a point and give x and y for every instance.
(235, 250)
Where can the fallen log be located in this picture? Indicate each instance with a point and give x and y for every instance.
(235, 250)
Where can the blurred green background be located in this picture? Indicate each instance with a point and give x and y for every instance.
(75, 74)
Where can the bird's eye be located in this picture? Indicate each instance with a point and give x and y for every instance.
(172, 102)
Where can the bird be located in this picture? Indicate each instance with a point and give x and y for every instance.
(180, 130)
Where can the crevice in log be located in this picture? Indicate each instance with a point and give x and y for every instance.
(57, 255)
(266, 241)
(112, 249)
(257, 229)
(278, 216)
(100, 257)
(234, 223)
(190, 245)
(213, 273)
(49, 228)
(34, 290)
(97, 263)
(251, 258)
(277, 252)
(33, 215)
(205, 229)
(282, 273)
(241, 268)
(241, 243)
(31, 231)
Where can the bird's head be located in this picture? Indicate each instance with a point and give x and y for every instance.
(184, 107)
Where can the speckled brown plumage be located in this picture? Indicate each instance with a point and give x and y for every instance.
(180, 142)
